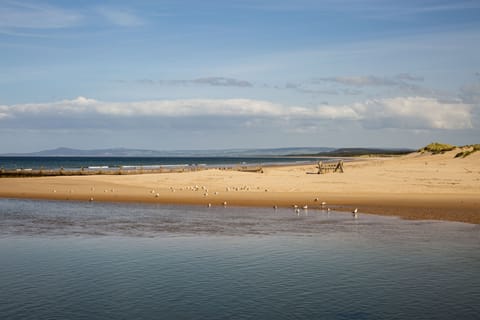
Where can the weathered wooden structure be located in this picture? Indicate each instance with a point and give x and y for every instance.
(12, 173)
(325, 167)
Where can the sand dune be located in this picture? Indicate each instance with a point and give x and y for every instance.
(416, 186)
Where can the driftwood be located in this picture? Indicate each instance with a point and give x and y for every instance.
(249, 169)
(324, 167)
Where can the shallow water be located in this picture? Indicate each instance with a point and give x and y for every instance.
(78, 260)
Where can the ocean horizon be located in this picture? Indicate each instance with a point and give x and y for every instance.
(101, 162)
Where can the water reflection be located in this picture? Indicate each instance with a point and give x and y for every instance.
(74, 260)
(77, 218)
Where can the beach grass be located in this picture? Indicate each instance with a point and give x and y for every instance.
(437, 148)
(470, 150)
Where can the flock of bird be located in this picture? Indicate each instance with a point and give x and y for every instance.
(323, 204)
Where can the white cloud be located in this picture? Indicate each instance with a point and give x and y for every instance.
(415, 113)
(400, 112)
(15, 14)
(119, 17)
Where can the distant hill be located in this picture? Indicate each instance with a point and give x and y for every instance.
(355, 152)
(69, 152)
(124, 152)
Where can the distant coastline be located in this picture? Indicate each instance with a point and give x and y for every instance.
(265, 152)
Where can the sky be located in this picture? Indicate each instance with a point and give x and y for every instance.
(184, 74)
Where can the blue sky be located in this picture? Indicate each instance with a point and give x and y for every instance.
(228, 74)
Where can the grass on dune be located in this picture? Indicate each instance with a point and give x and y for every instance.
(436, 148)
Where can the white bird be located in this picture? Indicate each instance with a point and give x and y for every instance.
(355, 213)
(295, 206)
(91, 199)
(224, 203)
(275, 207)
(305, 207)
(297, 211)
(324, 203)
(209, 205)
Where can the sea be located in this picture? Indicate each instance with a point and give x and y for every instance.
(114, 163)
(91, 260)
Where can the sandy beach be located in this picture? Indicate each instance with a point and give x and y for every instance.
(415, 186)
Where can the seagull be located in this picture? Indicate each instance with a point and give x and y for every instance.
(355, 213)
(224, 203)
(209, 205)
(305, 207)
(324, 203)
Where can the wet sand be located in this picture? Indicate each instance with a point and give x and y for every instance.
(416, 186)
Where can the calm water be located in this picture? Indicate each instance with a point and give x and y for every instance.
(116, 162)
(69, 260)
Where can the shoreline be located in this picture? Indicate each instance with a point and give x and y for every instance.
(417, 186)
(451, 209)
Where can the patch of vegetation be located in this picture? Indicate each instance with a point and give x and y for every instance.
(436, 148)
(466, 153)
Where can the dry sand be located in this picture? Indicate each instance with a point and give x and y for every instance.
(416, 186)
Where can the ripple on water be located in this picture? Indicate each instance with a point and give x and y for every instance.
(217, 263)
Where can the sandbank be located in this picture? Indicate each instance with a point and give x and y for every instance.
(415, 186)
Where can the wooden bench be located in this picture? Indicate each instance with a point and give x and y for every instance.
(325, 167)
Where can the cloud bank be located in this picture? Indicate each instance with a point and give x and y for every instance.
(401, 81)
(400, 112)
(205, 81)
